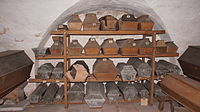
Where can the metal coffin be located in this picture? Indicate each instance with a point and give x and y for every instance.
(160, 68)
(190, 62)
(57, 47)
(143, 69)
(112, 92)
(76, 93)
(172, 68)
(41, 51)
(109, 47)
(145, 23)
(182, 89)
(75, 48)
(91, 22)
(14, 70)
(108, 23)
(92, 47)
(38, 93)
(171, 47)
(127, 72)
(45, 71)
(142, 91)
(128, 22)
(50, 93)
(157, 90)
(95, 94)
(104, 69)
(58, 71)
(127, 47)
(60, 94)
(144, 46)
(74, 23)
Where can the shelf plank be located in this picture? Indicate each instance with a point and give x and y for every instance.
(49, 57)
(137, 32)
(31, 80)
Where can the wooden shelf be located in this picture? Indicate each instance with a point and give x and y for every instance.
(137, 32)
(104, 56)
(44, 81)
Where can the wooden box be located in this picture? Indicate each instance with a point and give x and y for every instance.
(92, 47)
(127, 46)
(75, 48)
(145, 23)
(161, 47)
(171, 47)
(74, 23)
(57, 47)
(108, 23)
(109, 47)
(128, 25)
(190, 62)
(144, 45)
(104, 69)
(91, 22)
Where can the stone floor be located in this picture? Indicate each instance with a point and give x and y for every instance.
(122, 107)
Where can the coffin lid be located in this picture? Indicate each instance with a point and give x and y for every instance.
(90, 18)
(171, 44)
(109, 43)
(74, 18)
(75, 43)
(126, 43)
(160, 43)
(92, 43)
(108, 17)
(143, 43)
(144, 18)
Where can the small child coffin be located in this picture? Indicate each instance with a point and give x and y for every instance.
(92, 47)
(91, 22)
(108, 23)
(109, 47)
(75, 48)
(74, 23)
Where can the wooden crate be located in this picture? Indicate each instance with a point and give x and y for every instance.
(109, 47)
(57, 48)
(127, 46)
(171, 47)
(92, 47)
(128, 25)
(108, 23)
(144, 45)
(75, 48)
(145, 23)
(91, 22)
(74, 23)
(104, 69)
(161, 47)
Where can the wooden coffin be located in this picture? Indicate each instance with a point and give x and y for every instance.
(57, 48)
(62, 27)
(186, 91)
(14, 70)
(171, 47)
(75, 48)
(109, 47)
(108, 22)
(91, 22)
(92, 47)
(79, 71)
(161, 47)
(145, 23)
(190, 62)
(128, 22)
(127, 46)
(104, 69)
(144, 46)
(76, 93)
(74, 23)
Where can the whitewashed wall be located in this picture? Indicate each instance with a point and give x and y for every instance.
(25, 24)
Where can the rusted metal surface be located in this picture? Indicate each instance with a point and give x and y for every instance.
(171, 47)
(74, 23)
(14, 70)
(161, 47)
(172, 68)
(109, 47)
(142, 91)
(78, 71)
(143, 69)
(75, 48)
(50, 93)
(161, 70)
(58, 71)
(128, 22)
(104, 69)
(128, 90)
(190, 62)
(60, 94)
(182, 89)
(37, 94)
(92, 47)
(127, 71)
(157, 90)
(95, 94)
(57, 47)
(45, 71)
(127, 46)
(76, 93)
(144, 46)
(108, 22)
(112, 92)
(91, 22)
(41, 51)
(145, 23)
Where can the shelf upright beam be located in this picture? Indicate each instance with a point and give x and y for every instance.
(153, 69)
(65, 70)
